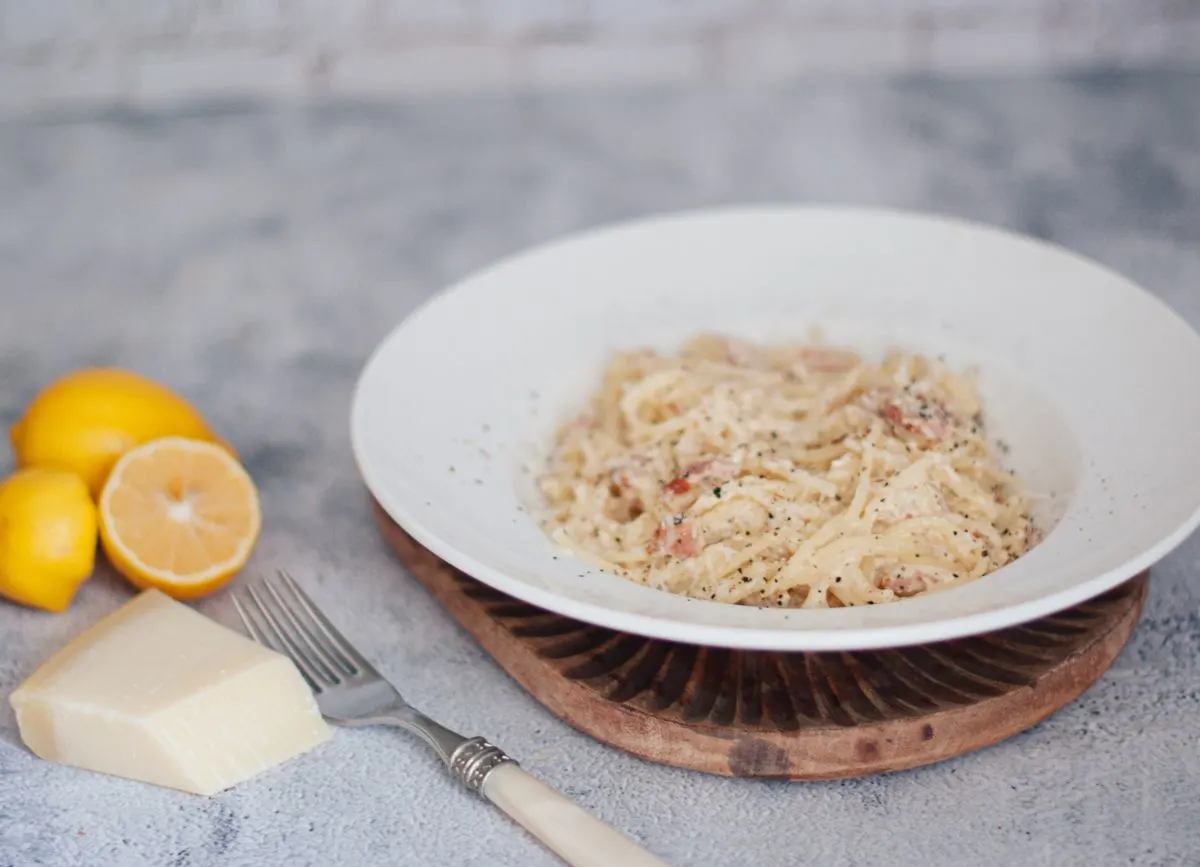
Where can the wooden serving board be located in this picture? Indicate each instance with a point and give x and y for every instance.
(796, 716)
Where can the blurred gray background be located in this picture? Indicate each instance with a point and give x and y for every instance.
(173, 202)
(71, 51)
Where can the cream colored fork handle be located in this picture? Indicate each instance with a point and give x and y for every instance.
(572, 833)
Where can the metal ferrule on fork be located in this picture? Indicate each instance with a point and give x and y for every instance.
(474, 760)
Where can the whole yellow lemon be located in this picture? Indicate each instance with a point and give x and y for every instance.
(47, 537)
(87, 419)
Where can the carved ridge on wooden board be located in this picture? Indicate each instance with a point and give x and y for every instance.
(789, 691)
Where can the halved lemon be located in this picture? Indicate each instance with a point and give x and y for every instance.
(181, 515)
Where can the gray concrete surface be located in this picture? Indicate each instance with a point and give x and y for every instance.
(252, 256)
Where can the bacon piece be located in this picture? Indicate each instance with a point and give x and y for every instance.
(678, 540)
(916, 415)
(712, 471)
(909, 584)
(677, 487)
(699, 474)
(907, 580)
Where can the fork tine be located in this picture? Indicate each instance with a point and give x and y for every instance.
(251, 620)
(317, 655)
(282, 641)
(354, 661)
(264, 636)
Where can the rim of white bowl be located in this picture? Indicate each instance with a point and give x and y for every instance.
(751, 637)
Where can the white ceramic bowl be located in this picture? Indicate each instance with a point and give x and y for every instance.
(1089, 379)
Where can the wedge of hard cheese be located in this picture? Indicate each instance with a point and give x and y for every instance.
(157, 692)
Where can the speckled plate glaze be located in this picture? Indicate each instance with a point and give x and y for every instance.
(1086, 377)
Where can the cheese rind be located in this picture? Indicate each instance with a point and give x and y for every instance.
(157, 692)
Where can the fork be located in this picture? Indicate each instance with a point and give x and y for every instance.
(349, 691)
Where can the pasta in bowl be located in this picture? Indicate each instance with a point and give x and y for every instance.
(692, 333)
(795, 476)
